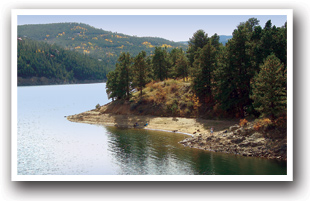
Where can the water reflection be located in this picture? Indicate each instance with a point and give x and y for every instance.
(141, 152)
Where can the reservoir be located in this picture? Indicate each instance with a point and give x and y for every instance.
(49, 144)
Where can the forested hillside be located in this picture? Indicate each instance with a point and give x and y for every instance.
(39, 59)
(246, 77)
(103, 45)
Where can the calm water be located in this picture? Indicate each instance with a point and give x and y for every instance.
(49, 144)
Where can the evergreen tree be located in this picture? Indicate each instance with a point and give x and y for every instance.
(199, 40)
(181, 67)
(269, 88)
(123, 69)
(215, 41)
(202, 75)
(238, 71)
(173, 56)
(225, 92)
(179, 64)
(160, 63)
(140, 72)
(111, 85)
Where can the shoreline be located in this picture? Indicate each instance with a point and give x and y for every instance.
(228, 136)
(182, 125)
(43, 81)
(168, 131)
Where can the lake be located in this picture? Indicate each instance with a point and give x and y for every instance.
(49, 144)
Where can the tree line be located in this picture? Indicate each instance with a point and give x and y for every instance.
(247, 76)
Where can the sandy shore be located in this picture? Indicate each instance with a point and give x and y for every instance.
(172, 124)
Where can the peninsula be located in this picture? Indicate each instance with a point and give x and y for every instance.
(248, 138)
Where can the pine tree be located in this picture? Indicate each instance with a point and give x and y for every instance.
(198, 41)
(181, 67)
(123, 69)
(237, 70)
(204, 66)
(269, 88)
(140, 72)
(111, 85)
(160, 63)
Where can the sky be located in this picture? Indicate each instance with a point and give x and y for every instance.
(171, 27)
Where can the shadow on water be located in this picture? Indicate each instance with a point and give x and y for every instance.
(229, 164)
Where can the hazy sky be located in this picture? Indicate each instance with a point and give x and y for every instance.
(171, 27)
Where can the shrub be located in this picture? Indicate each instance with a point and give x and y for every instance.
(190, 104)
(172, 108)
(263, 124)
(98, 106)
(257, 126)
(266, 121)
(243, 122)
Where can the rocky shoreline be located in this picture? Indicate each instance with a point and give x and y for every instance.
(239, 140)
(236, 139)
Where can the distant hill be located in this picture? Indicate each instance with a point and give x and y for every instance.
(223, 39)
(100, 44)
(39, 63)
(183, 42)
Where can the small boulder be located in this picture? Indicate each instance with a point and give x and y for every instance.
(238, 140)
(256, 135)
(233, 128)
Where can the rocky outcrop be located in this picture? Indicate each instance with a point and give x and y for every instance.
(243, 141)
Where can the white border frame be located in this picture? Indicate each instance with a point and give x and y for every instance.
(287, 12)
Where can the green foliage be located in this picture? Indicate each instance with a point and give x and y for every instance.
(179, 62)
(269, 88)
(119, 81)
(51, 61)
(199, 40)
(160, 64)
(124, 75)
(240, 61)
(202, 76)
(234, 83)
(141, 72)
(112, 85)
